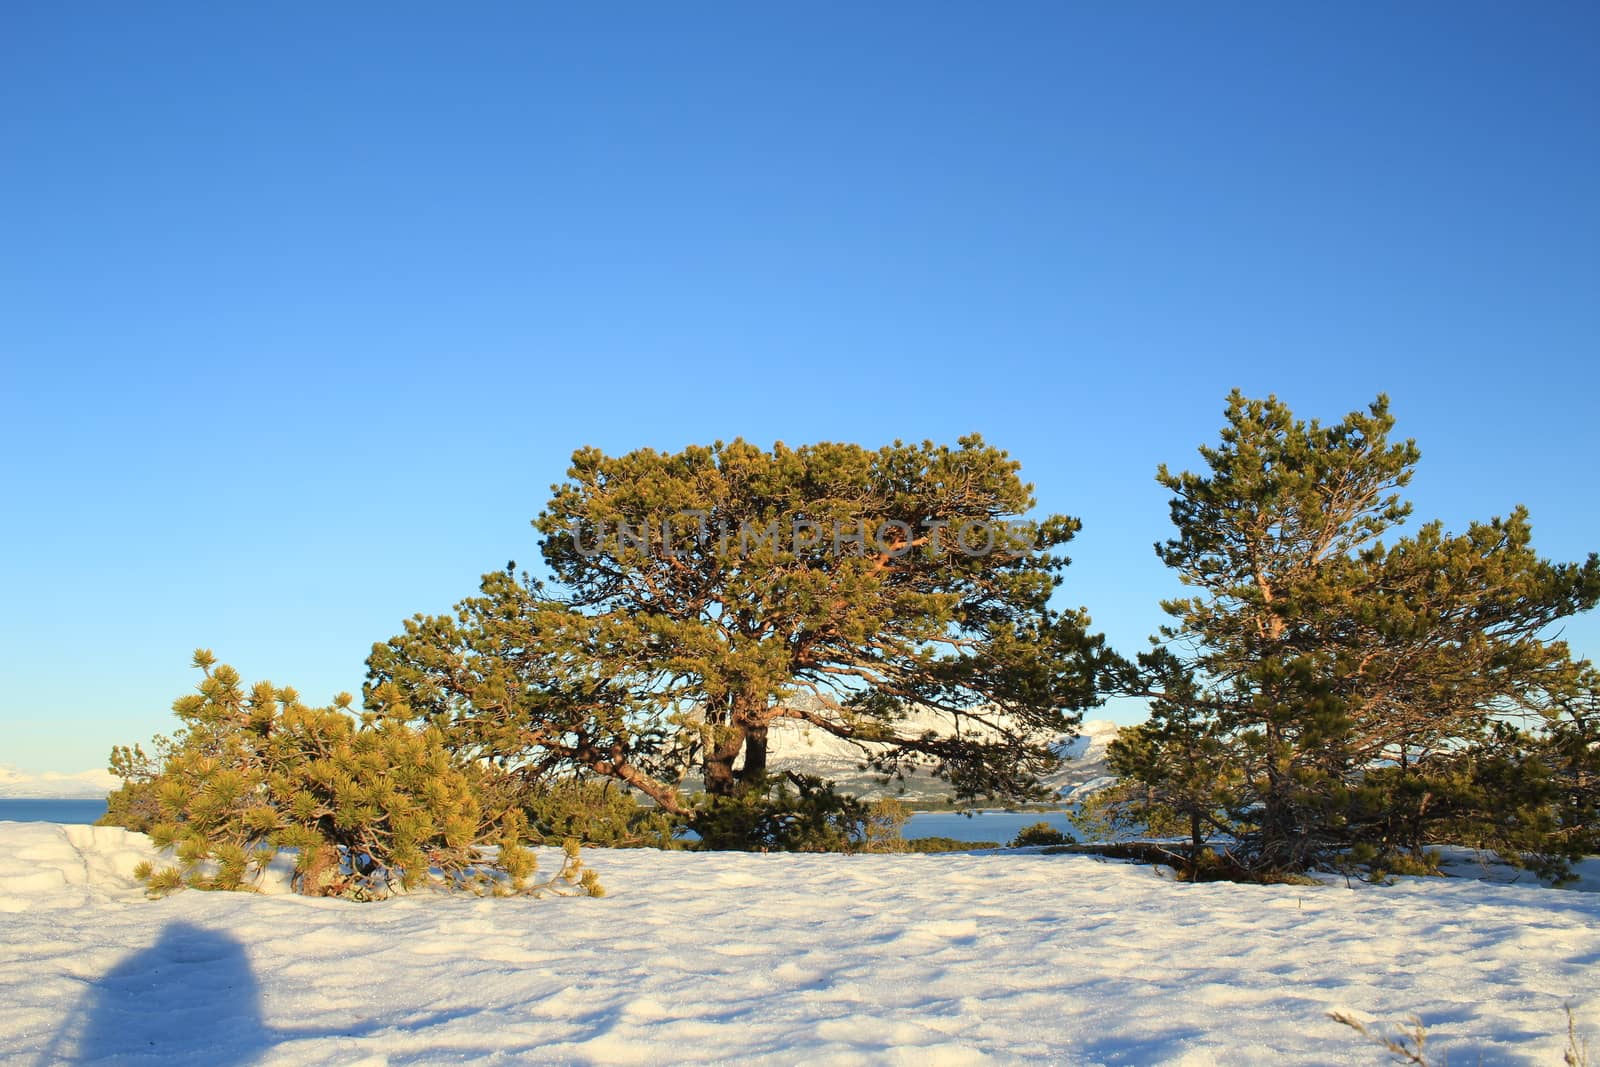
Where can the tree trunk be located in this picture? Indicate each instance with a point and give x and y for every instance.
(746, 729)
(755, 755)
(719, 760)
(1277, 820)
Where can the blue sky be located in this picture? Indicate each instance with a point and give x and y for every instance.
(301, 311)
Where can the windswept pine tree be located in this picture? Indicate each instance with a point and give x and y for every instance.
(701, 596)
(1361, 686)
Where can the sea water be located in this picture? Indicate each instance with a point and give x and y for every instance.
(68, 811)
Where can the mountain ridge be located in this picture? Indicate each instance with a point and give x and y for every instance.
(18, 784)
(794, 745)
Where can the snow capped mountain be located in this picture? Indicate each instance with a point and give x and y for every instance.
(1085, 768)
(49, 785)
(806, 749)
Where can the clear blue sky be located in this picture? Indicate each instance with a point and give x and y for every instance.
(302, 310)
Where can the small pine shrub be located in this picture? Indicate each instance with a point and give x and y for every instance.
(366, 805)
(881, 828)
(1040, 833)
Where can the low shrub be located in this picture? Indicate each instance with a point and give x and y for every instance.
(881, 829)
(945, 844)
(366, 805)
(1040, 833)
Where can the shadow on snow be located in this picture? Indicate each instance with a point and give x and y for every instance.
(189, 997)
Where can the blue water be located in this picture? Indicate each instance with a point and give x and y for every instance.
(70, 811)
(999, 826)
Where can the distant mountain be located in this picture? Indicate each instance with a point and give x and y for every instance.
(805, 749)
(48, 785)
(1085, 770)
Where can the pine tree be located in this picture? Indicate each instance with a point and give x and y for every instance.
(1570, 746)
(1354, 682)
(1181, 771)
(701, 596)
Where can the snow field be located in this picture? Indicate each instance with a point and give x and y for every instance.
(723, 957)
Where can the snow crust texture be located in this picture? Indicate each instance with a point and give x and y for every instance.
(706, 957)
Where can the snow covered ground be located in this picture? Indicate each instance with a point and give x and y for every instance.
(924, 960)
